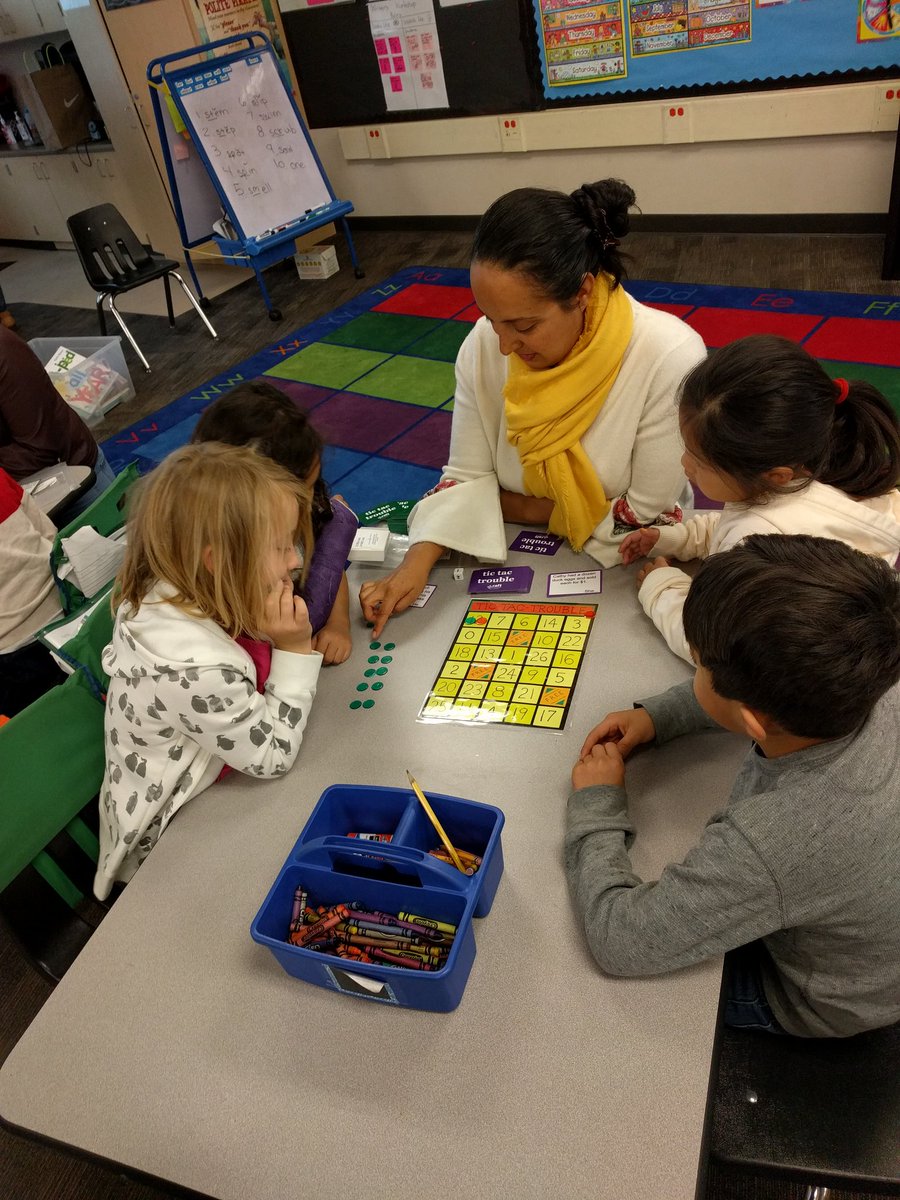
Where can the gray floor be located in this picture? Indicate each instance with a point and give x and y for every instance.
(186, 357)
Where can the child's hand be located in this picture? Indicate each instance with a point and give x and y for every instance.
(654, 565)
(287, 620)
(604, 765)
(626, 729)
(638, 544)
(334, 643)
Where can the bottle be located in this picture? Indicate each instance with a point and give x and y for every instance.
(32, 128)
(23, 131)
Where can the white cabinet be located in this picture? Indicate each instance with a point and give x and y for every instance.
(30, 209)
(29, 18)
(79, 184)
(49, 14)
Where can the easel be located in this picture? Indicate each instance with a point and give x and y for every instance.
(204, 198)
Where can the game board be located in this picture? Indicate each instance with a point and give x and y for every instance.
(512, 663)
(377, 373)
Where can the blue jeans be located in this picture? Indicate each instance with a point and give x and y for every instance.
(103, 477)
(746, 1006)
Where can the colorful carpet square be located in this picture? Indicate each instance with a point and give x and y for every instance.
(377, 373)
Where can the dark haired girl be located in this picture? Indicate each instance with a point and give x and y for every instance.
(787, 449)
(564, 412)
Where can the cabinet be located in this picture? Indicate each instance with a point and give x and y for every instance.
(28, 201)
(29, 18)
(79, 184)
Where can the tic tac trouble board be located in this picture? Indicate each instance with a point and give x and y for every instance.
(512, 663)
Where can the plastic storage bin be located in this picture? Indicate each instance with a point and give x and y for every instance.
(399, 876)
(96, 385)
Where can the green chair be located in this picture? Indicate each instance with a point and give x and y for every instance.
(106, 515)
(51, 769)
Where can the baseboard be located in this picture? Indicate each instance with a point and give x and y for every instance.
(771, 223)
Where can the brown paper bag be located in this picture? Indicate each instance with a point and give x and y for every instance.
(59, 106)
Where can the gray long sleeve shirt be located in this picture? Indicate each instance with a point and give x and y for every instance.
(806, 856)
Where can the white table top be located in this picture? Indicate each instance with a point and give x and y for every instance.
(178, 1047)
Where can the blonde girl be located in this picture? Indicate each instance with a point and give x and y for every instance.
(785, 449)
(211, 664)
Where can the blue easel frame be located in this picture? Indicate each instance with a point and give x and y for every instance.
(255, 252)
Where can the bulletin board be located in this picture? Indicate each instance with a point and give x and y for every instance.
(495, 52)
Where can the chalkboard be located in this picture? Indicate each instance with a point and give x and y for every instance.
(243, 120)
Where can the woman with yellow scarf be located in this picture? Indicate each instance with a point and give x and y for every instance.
(565, 410)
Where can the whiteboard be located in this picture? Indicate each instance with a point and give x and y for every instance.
(242, 117)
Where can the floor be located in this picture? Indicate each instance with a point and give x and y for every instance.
(184, 358)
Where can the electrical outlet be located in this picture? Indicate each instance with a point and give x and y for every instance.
(886, 112)
(512, 135)
(376, 140)
(676, 123)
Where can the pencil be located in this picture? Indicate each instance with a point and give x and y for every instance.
(429, 812)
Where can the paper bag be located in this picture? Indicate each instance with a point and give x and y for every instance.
(59, 106)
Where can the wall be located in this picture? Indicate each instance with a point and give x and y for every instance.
(821, 150)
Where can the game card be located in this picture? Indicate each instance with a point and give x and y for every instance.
(424, 596)
(512, 663)
(575, 583)
(535, 541)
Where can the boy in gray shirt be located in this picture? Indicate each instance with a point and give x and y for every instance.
(797, 644)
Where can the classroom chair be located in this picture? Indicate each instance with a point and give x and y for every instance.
(114, 262)
(51, 764)
(823, 1112)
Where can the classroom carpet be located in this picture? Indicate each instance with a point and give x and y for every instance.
(376, 374)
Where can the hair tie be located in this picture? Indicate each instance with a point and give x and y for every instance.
(843, 390)
(602, 233)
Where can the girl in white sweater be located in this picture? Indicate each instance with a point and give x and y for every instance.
(211, 664)
(786, 449)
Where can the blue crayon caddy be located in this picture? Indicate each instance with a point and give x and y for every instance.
(399, 876)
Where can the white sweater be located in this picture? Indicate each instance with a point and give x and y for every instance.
(182, 703)
(872, 526)
(634, 444)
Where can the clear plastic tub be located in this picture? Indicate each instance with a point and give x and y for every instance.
(93, 386)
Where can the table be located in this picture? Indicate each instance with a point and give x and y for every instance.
(52, 488)
(178, 1047)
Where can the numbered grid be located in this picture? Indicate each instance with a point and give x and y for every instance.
(512, 664)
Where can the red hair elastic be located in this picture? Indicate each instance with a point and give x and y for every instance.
(843, 390)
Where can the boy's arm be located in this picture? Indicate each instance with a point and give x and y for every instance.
(721, 896)
(676, 712)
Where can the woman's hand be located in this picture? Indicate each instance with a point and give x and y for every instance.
(638, 544)
(627, 729)
(287, 620)
(655, 564)
(382, 598)
(525, 510)
(604, 766)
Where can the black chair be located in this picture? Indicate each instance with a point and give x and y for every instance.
(114, 261)
(824, 1112)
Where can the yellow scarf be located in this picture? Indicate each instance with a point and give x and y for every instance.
(548, 413)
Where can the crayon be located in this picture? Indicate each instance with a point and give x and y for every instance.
(298, 909)
(400, 960)
(310, 932)
(467, 869)
(418, 926)
(372, 837)
(441, 926)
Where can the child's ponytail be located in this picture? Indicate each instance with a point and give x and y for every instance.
(864, 449)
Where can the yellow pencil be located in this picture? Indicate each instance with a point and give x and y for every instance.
(429, 811)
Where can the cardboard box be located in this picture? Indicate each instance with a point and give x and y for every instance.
(320, 263)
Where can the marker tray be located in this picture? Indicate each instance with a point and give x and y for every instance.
(399, 876)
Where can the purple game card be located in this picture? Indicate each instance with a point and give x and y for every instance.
(533, 541)
(501, 579)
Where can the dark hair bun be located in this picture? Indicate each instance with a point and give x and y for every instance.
(604, 206)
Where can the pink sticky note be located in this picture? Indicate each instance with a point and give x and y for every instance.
(384, 66)
(396, 83)
(396, 46)
(399, 65)
(381, 46)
